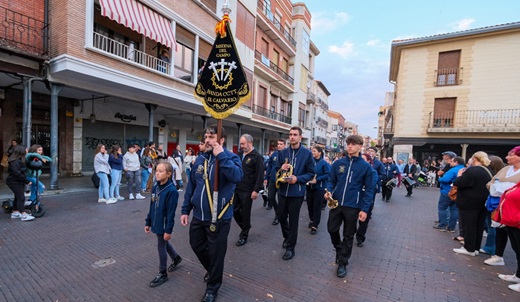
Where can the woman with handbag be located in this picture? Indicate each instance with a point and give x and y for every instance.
(471, 199)
(510, 217)
(510, 173)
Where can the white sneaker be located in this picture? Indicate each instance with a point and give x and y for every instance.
(180, 190)
(139, 196)
(482, 251)
(111, 200)
(15, 215)
(131, 196)
(101, 200)
(495, 261)
(27, 217)
(515, 287)
(509, 278)
(120, 198)
(463, 251)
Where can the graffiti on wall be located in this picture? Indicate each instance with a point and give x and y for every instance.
(92, 142)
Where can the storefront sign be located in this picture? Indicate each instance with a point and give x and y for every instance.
(125, 118)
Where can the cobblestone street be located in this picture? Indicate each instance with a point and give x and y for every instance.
(404, 259)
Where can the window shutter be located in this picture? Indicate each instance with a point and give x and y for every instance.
(185, 37)
(444, 112)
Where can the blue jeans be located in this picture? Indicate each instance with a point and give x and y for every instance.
(33, 187)
(144, 178)
(103, 185)
(445, 203)
(116, 182)
(489, 247)
(188, 172)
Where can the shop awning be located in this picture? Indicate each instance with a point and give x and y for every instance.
(140, 18)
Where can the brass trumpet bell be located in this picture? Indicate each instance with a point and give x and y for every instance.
(332, 203)
(281, 175)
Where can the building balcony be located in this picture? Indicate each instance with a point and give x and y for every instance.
(274, 29)
(23, 35)
(277, 72)
(311, 98)
(271, 114)
(490, 121)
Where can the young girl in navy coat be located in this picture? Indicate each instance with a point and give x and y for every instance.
(161, 218)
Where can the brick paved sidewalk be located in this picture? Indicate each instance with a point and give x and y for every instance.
(404, 258)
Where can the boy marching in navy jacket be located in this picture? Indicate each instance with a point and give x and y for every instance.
(292, 190)
(352, 185)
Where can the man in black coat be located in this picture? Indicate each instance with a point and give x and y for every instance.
(409, 171)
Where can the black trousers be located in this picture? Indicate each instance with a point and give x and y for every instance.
(514, 236)
(473, 221)
(387, 191)
(289, 209)
(347, 217)
(314, 201)
(242, 204)
(409, 189)
(500, 241)
(19, 197)
(363, 225)
(164, 248)
(210, 248)
(271, 195)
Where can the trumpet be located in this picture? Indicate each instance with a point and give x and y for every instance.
(312, 181)
(332, 203)
(282, 175)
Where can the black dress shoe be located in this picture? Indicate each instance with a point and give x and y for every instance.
(269, 207)
(285, 243)
(241, 242)
(309, 225)
(342, 271)
(209, 297)
(275, 221)
(289, 254)
(160, 279)
(314, 230)
(206, 277)
(360, 243)
(175, 263)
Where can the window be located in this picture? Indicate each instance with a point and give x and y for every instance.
(276, 57)
(284, 65)
(245, 26)
(211, 4)
(262, 97)
(304, 78)
(447, 69)
(183, 62)
(305, 42)
(443, 112)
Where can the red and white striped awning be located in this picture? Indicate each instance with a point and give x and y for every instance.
(140, 18)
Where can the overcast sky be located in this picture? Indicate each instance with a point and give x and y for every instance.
(354, 38)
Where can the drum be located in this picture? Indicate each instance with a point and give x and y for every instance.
(392, 183)
(408, 182)
(422, 177)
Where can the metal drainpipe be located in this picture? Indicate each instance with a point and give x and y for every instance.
(55, 91)
(46, 29)
(29, 111)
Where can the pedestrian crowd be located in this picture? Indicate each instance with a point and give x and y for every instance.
(220, 186)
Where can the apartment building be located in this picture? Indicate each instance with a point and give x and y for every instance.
(318, 105)
(123, 72)
(456, 91)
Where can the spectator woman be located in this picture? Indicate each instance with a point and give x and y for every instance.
(102, 169)
(510, 217)
(510, 173)
(146, 168)
(115, 160)
(188, 161)
(16, 181)
(36, 151)
(316, 188)
(471, 199)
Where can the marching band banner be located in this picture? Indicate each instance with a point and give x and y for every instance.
(222, 86)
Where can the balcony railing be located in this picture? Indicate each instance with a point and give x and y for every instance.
(127, 52)
(447, 76)
(262, 5)
(476, 119)
(271, 65)
(271, 114)
(23, 33)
